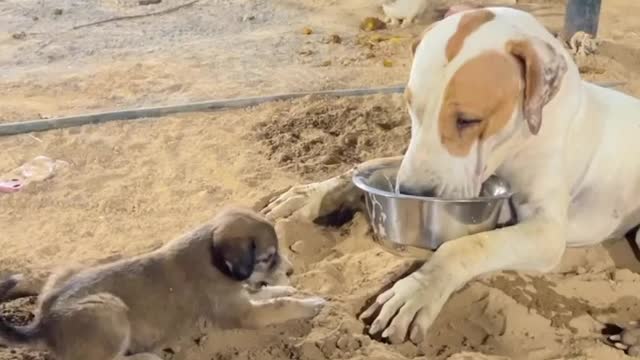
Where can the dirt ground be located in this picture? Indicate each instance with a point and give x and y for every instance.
(133, 185)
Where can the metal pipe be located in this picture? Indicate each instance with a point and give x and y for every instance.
(581, 15)
(22, 127)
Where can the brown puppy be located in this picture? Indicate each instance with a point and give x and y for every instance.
(128, 308)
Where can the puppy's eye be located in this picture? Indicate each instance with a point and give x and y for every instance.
(267, 258)
(463, 121)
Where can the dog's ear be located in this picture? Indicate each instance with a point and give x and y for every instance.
(235, 257)
(544, 69)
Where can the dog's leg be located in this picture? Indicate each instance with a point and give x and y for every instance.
(100, 321)
(536, 244)
(262, 313)
(310, 201)
(313, 200)
(272, 292)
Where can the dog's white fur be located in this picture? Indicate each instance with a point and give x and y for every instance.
(576, 182)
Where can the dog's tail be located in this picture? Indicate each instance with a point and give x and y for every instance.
(11, 334)
(9, 284)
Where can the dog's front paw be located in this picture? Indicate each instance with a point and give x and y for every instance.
(409, 307)
(301, 200)
(310, 201)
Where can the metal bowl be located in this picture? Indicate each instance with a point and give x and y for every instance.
(413, 225)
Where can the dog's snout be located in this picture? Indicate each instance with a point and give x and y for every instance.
(415, 191)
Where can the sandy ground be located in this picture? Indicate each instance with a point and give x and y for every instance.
(133, 185)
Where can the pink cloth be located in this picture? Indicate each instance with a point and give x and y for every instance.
(10, 186)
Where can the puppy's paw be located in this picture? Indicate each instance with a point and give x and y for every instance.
(273, 292)
(312, 305)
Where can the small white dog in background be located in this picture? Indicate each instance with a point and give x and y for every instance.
(404, 10)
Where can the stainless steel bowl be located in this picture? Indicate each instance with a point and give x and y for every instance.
(413, 225)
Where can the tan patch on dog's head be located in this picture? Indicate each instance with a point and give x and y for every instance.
(468, 24)
(243, 242)
(478, 101)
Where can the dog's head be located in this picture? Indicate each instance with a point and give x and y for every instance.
(245, 248)
(479, 83)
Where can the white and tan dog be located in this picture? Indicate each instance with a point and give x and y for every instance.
(491, 91)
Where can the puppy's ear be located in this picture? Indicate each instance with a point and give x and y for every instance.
(544, 68)
(234, 257)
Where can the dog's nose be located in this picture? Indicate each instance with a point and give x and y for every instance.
(415, 191)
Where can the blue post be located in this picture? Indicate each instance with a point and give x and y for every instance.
(581, 15)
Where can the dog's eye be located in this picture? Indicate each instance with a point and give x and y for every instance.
(267, 258)
(464, 121)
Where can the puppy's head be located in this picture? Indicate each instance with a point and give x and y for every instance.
(479, 83)
(245, 248)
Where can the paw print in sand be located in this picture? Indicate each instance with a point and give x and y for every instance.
(627, 339)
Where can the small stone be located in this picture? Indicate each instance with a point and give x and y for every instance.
(284, 158)
(350, 139)
(634, 351)
(149, 2)
(387, 63)
(625, 275)
(630, 336)
(581, 270)
(19, 35)
(343, 343)
(246, 18)
(307, 30)
(372, 24)
(330, 159)
(297, 247)
(325, 63)
(57, 12)
(335, 39)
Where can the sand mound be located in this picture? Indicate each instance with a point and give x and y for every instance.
(314, 135)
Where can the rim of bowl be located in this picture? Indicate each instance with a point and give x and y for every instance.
(358, 181)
